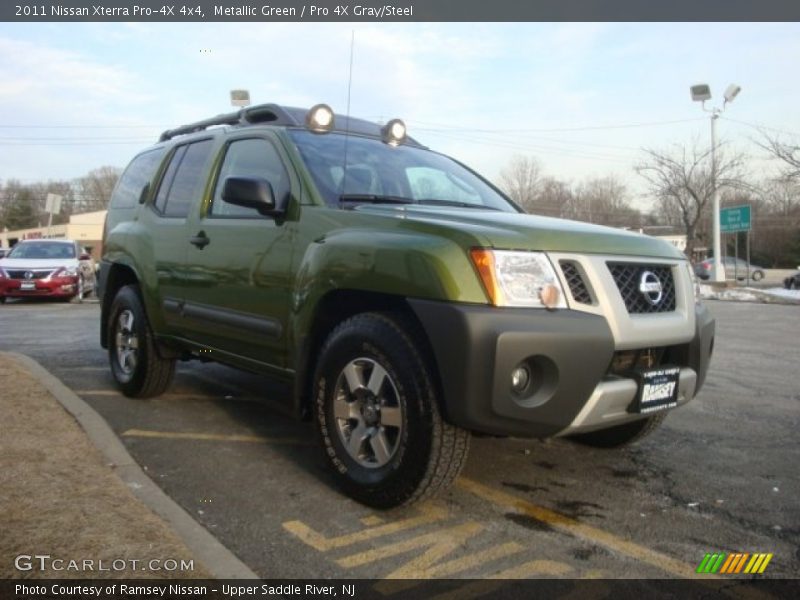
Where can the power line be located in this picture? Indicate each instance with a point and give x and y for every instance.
(159, 127)
(77, 143)
(756, 126)
(548, 139)
(560, 129)
(535, 147)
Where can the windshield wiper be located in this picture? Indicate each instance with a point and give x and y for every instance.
(455, 203)
(375, 199)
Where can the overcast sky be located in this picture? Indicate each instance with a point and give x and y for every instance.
(581, 98)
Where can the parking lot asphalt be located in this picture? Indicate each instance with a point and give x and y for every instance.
(720, 475)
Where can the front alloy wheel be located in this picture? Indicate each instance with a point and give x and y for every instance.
(135, 361)
(126, 344)
(377, 413)
(369, 417)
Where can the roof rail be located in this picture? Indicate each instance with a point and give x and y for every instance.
(250, 115)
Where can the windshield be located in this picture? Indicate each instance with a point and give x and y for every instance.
(42, 250)
(378, 172)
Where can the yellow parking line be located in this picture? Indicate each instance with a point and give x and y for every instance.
(430, 514)
(216, 437)
(163, 397)
(569, 525)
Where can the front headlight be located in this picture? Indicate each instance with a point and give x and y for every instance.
(65, 272)
(518, 278)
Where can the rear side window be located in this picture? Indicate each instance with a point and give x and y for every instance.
(184, 180)
(138, 174)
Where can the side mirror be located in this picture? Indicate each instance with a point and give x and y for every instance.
(251, 193)
(85, 256)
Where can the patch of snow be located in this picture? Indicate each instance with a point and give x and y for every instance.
(783, 293)
(746, 294)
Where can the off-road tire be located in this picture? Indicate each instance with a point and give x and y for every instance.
(151, 374)
(429, 453)
(621, 435)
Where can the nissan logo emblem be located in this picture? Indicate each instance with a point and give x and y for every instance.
(651, 287)
(28, 275)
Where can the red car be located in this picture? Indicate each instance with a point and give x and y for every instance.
(55, 268)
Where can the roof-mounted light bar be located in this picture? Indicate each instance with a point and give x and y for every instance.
(319, 118)
(394, 132)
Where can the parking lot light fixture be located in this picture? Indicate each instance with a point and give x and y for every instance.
(700, 93)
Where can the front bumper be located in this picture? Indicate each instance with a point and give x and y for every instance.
(57, 287)
(569, 353)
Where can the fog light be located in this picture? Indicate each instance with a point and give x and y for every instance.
(520, 378)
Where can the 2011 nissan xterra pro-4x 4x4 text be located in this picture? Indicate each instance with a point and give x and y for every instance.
(406, 299)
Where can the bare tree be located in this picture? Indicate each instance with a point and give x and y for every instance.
(784, 151)
(681, 180)
(94, 189)
(555, 199)
(605, 200)
(521, 180)
(19, 209)
(776, 214)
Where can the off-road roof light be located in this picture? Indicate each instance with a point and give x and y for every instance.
(319, 118)
(394, 132)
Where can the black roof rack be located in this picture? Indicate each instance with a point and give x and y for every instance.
(251, 115)
(278, 115)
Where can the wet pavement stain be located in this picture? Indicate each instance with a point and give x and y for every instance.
(524, 487)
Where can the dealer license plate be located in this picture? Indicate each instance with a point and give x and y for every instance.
(27, 285)
(658, 389)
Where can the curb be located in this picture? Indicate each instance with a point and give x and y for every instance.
(219, 561)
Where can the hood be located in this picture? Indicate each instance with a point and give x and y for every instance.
(37, 263)
(519, 231)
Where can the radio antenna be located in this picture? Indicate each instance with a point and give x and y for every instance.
(347, 120)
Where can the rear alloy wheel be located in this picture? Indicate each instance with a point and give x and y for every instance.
(378, 416)
(135, 363)
(621, 435)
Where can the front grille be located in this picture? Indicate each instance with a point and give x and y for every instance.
(629, 278)
(20, 273)
(577, 286)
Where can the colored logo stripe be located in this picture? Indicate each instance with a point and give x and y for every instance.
(711, 563)
(758, 563)
(734, 563)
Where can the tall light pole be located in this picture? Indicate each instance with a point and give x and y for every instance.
(701, 93)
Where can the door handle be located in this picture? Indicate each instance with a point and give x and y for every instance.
(200, 240)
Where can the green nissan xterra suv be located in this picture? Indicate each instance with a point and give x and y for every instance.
(406, 299)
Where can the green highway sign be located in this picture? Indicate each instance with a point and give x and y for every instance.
(735, 218)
